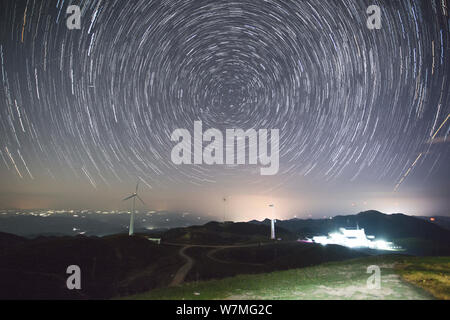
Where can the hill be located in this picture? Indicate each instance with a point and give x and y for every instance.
(110, 266)
(336, 280)
(215, 233)
(9, 241)
(418, 236)
(120, 265)
(221, 262)
(441, 221)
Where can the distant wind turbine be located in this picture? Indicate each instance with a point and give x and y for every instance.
(133, 196)
(224, 207)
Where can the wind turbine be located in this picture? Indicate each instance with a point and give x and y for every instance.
(272, 223)
(133, 196)
(224, 207)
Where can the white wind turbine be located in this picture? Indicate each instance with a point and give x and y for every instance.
(224, 208)
(272, 222)
(133, 196)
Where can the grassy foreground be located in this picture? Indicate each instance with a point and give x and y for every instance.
(432, 274)
(426, 278)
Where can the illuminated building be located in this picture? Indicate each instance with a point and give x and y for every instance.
(353, 238)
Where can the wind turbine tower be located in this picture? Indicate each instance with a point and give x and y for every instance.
(272, 224)
(133, 196)
(224, 207)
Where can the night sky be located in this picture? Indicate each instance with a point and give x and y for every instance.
(84, 114)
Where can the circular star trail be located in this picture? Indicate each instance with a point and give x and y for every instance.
(99, 104)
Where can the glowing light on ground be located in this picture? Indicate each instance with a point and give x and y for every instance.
(354, 238)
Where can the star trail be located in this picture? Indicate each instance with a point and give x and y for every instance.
(91, 111)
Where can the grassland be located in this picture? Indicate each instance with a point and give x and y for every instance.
(432, 274)
(402, 278)
(222, 263)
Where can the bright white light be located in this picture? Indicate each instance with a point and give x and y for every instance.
(383, 245)
(353, 238)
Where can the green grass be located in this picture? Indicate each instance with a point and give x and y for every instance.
(432, 274)
(336, 280)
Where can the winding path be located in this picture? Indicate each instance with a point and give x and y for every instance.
(185, 268)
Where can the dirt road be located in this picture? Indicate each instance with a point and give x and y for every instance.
(185, 268)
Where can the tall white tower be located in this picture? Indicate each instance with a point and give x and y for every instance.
(224, 208)
(133, 196)
(272, 229)
(131, 228)
(272, 223)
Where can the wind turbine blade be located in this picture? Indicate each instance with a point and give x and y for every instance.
(137, 185)
(142, 201)
(129, 197)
